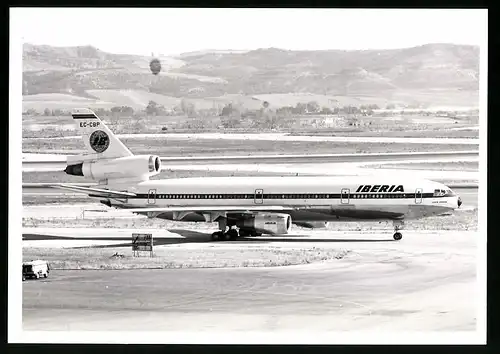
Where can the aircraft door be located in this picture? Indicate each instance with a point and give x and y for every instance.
(344, 196)
(418, 196)
(258, 198)
(152, 196)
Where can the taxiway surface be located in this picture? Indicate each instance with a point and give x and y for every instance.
(425, 282)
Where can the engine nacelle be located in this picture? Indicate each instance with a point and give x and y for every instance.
(141, 166)
(267, 223)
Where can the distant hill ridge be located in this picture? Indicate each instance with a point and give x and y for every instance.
(432, 70)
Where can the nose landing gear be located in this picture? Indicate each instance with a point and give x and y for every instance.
(398, 225)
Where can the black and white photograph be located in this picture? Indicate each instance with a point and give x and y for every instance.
(247, 175)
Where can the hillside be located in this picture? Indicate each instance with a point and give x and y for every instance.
(428, 75)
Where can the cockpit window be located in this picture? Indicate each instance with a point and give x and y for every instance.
(439, 193)
(443, 193)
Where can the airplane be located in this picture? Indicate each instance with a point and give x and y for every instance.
(244, 206)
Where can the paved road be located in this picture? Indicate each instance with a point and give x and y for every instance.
(425, 282)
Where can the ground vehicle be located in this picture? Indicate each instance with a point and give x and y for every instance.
(35, 269)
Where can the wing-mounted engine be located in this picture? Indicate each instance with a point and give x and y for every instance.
(267, 223)
(134, 167)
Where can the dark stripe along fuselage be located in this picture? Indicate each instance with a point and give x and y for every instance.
(274, 196)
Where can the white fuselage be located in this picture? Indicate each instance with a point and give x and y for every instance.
(314, 198)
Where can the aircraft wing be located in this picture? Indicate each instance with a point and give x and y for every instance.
(96, 192)
(209, 208)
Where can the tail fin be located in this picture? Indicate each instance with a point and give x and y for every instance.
(100, 142)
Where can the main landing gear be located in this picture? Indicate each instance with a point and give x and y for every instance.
(398, 225)
(230, 232)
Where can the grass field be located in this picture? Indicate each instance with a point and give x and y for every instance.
(51, 101)
(137, 99)
(168, 257)
(56, 199)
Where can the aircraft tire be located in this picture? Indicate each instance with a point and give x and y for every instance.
(398, 236)
(215, 236)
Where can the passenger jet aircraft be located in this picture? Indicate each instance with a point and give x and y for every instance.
(245, 206)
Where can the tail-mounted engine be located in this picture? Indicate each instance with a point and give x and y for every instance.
(141, 167)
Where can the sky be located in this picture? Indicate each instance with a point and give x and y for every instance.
(171, 31)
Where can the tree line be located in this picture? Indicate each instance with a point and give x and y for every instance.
(230, 109)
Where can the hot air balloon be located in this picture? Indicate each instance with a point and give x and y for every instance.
(155, 66)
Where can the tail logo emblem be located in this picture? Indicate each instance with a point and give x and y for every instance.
(99, 141)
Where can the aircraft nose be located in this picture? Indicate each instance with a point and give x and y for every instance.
(459, 201)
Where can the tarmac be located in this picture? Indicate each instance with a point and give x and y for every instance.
(426, 282)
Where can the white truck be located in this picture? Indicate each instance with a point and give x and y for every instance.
(35, 269)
